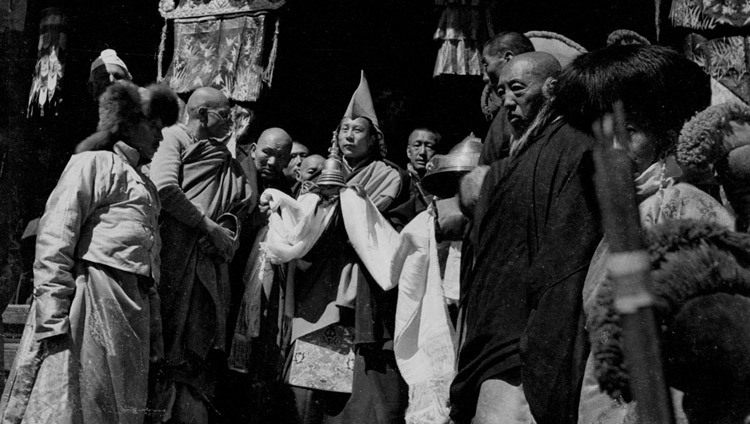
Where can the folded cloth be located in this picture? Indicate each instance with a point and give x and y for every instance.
(296, 225)
(371, 235)
(424, 343)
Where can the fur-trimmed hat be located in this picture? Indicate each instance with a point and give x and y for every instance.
(160, 102)
(701, 141)
(119, 105)
(701, 284)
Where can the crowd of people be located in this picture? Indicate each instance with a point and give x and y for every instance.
(181, 277)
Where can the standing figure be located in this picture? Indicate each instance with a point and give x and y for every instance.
(537, 225)
(93, 328)
(205, 195)
(335, 293)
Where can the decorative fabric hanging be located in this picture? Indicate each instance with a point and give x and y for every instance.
(461, 30)
(46, 86)
(226, 44)
(707, 14)
(726, 59)
(183, 9)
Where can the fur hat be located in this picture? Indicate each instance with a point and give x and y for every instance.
(160, 102)
(119, 105)
(701, 140)
(701, 282)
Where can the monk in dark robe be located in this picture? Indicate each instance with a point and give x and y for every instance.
(205, 195)
(524, 342)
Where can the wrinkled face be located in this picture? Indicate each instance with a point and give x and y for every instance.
(219, 119)
(145, 137)
(421, 149)
(490, 67)
(299, 152)
(520, 89)
(355, 139)
(271, 156)
(309, 168)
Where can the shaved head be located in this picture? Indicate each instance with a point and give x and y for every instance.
(520, 85)
(310, 167)
(209, 113)
(271, 153)
(540, 65)
(207, 97)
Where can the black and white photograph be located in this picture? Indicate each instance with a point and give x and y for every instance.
(375, 211)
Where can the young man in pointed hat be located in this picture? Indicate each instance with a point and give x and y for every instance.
(378, 392)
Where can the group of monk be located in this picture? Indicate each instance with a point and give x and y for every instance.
(184, 276)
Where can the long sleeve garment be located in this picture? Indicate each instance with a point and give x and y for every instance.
(195, 178)
(523, 312)
(84, 355)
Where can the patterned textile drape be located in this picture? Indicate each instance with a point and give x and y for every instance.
(45, 94)
(462, 29)
(227, 44)
(223, 53)
(726, 59)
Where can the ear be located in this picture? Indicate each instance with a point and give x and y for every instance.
(297, 173)
(508, 56)
(253, 148)
(548, 89)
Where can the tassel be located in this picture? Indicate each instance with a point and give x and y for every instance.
(160, 57)
(268, 74)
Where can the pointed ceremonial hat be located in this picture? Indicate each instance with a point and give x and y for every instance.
(361, 103)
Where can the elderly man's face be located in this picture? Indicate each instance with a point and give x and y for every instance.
(219, 119)
(520, 89)
(421, 149)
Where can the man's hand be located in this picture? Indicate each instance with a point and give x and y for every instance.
(221, 238)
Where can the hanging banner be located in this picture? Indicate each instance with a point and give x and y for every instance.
(46, 87)
(224, 53)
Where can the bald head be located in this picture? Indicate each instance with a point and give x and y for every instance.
(520, 86)
(271, 154)
(540, 65)
(310, 167)
(207, 97)
(209, 113)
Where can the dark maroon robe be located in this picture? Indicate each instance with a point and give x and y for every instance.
(534, 240)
